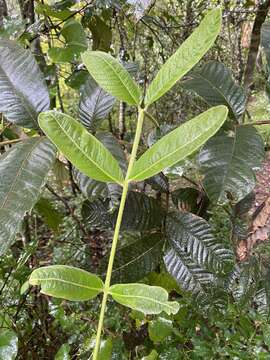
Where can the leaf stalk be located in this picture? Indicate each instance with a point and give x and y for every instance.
(132, 159)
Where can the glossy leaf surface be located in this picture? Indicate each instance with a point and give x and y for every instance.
(84, 150)
(193, 256)
(189, 53)
(24, 168)
(23, 91)
(179, 143)
(134, 261)
(227, 163)
(112, 76)
(141, 213)
(144, 298)
(214, 83)
(67, 282)
(95, 104)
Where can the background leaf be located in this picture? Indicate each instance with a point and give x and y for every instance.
(25, 168)
(23, 91)
(179, 143)
(67, 282)
(8, 345)
(144, 298)
(134, 261)
(194, 256)
(141, 213)
(214, 83)
(81, 148)
(95, 104)
(49, 214)
(112, 76)
(189, 53)
(227, 163)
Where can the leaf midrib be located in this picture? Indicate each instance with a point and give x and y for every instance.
(168, 155)
(40, 280)
(20, 169)
(117, 75)
(143, 298)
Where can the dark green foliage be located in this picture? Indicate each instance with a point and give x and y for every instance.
(214, 83)
(134, 261)
(228, 164)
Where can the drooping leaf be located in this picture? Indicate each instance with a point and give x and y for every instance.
(24, 169)
(8, 345)
(214, 83)
(112, 76)
(141, 213)
(134, 261)
(95, 104)
(189, 53)
(23, 91)
(81, 148)
(179, 143)
(75, 39)
(66, 282)
(227, 163)
(49, 213)
(144, 298)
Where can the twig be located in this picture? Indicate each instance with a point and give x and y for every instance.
(9, 142)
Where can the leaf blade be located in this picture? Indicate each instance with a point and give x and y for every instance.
(144, 298)
(112, 76)
(179, 143)
(189, 53)
(24, 168)
(23, 91)
(66, 282)
(86, 152)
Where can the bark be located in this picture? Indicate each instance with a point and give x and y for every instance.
(255, 42)
(3, 12)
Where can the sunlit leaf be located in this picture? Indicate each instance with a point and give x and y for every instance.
(8, 345)
(84, 150)
(67, 282)
(189, 53)
(144, 298)
(179, 143)
(112, 76)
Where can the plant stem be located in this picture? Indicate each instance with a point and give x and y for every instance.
(117, 230)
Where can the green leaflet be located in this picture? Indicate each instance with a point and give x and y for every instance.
(144, 298)
(179, 143)
(24, 170)
(67, 282)
(189, 53)
(112, 76)
(85, 151)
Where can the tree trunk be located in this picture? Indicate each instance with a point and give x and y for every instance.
(255, 42)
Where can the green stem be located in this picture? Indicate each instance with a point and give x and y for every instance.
(117, 230)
